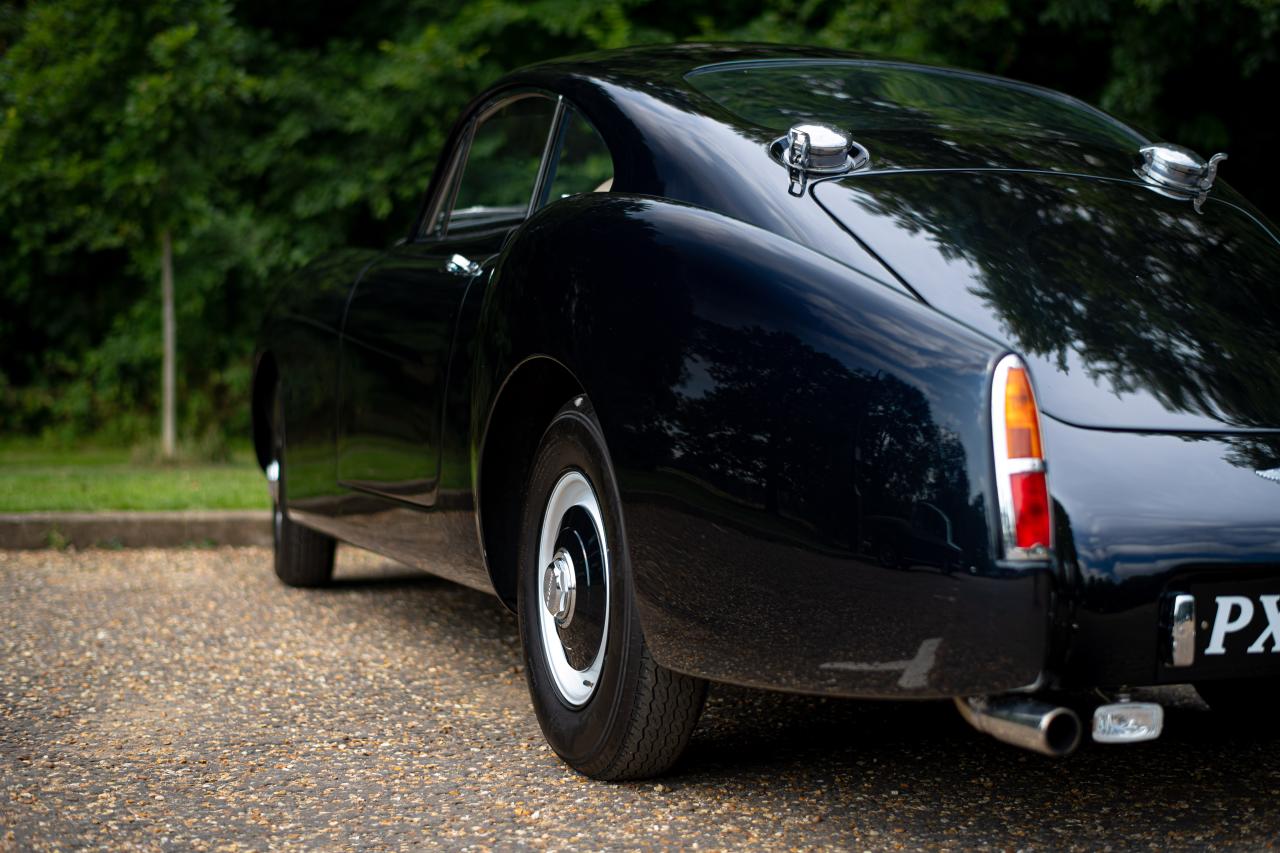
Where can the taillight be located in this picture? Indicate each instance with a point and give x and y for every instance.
(1026, 517)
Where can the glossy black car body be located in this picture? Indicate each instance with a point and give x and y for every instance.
(795, 390)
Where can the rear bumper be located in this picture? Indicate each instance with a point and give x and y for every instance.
(1141, 519)
(735, 605)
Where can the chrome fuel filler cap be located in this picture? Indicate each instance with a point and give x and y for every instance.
(1178, 172)
(817, 149)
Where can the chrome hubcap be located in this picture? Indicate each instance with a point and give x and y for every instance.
(559, 588)
(573, 621)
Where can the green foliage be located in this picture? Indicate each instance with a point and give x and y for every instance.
(263, 134)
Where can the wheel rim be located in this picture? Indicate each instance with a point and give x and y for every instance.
(573, 600)
(273, 487)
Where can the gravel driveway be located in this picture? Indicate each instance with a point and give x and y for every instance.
(184, 699)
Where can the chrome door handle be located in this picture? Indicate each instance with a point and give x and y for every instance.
(461, 265)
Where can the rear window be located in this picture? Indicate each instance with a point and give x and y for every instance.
(888, 96)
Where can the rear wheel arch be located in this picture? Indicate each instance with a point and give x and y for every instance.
(526, 403)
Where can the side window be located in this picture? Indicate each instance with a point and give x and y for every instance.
(584, 165)
(501, 171)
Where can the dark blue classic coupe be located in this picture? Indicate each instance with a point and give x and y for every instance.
(807, 371)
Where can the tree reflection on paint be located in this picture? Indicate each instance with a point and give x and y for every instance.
(1138, 291)
(765, 416)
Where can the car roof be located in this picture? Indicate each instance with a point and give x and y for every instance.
(908, 115)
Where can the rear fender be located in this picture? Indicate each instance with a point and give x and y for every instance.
(767, 410)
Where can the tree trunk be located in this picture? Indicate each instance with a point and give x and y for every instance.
(168, 440)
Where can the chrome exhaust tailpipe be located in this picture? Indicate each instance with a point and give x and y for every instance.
(1023, 721)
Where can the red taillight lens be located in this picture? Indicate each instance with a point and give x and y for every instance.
(1030, 509)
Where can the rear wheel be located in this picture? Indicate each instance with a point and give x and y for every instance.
(605, 706)
(303, 557)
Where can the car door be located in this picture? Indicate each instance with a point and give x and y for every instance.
(401, 318)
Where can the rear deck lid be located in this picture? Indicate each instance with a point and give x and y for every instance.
(1134, 311)
(1017, 211)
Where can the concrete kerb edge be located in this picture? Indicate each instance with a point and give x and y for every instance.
(33, 530)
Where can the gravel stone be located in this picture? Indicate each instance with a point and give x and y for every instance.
(176, 700)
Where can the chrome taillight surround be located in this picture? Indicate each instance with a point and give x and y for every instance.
(1006, 468)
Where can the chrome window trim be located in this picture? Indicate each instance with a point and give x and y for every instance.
(448, 193)
(567, 114)
(453, 177)
(1006, 467)
(550, 149)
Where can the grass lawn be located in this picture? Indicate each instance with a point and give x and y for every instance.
(35, 478)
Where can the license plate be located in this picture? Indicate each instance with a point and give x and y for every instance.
(1237, 628)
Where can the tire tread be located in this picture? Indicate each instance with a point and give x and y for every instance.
(304, 557)
(668, 705)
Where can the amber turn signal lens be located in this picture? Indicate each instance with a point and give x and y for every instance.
(1022, 426)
